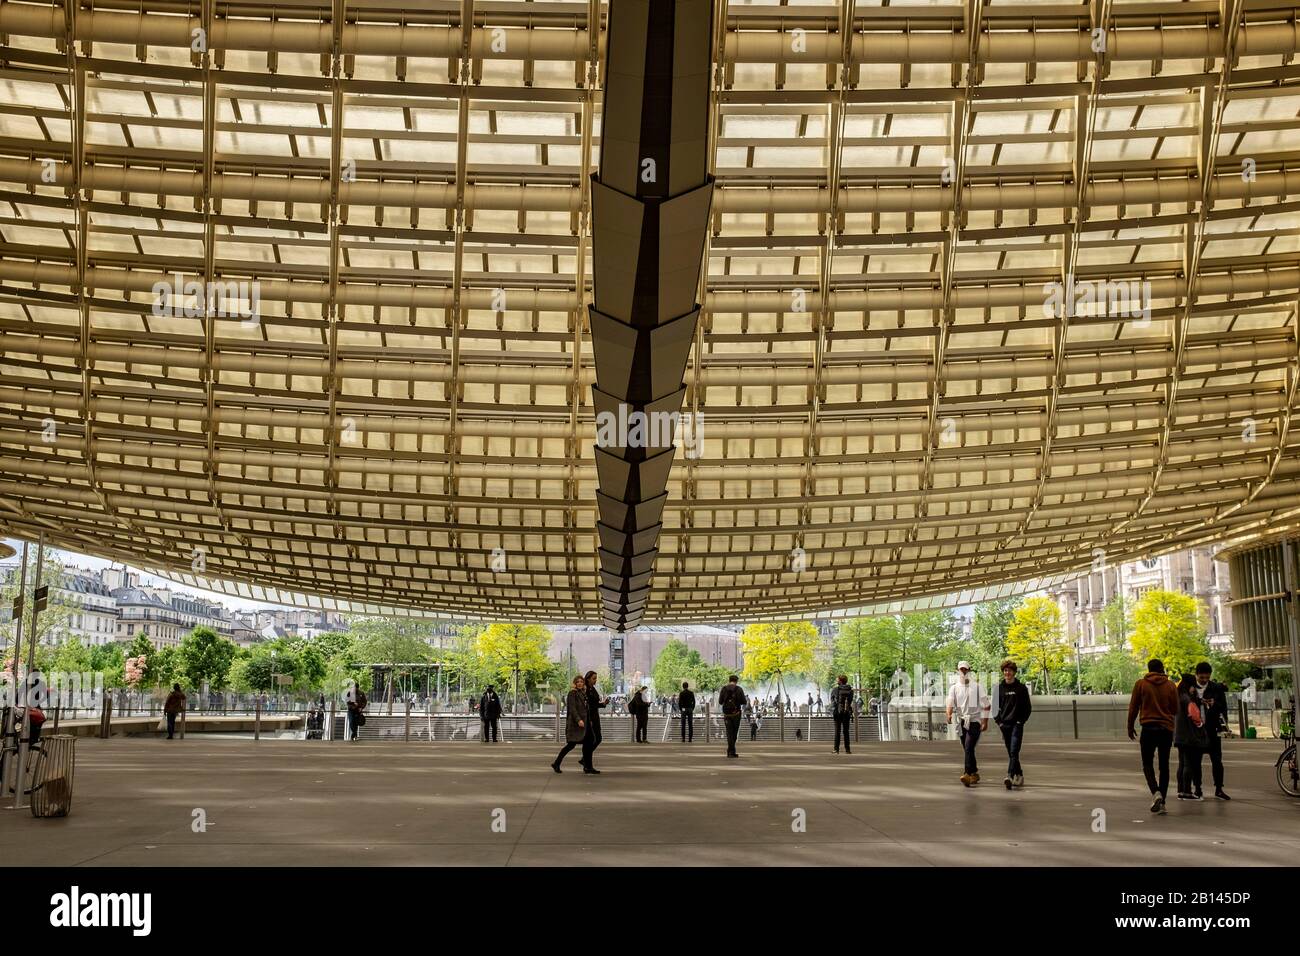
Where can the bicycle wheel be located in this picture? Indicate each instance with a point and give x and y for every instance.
(1288, 773)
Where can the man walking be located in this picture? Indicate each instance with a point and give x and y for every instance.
(591, 740)
(969, 705)
(639, 707)
(842, 710)
(731, 700)
(1014, 707)
(489, 712)
(1154, 704)
(686, 704)
(174, 705)
(1215, 697)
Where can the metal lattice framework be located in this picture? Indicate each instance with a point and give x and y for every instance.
(889, 410)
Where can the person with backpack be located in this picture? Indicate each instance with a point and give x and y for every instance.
(686, 704)
(1154, 704)
(842, 710)
(575, 720)
(174, 705)
(489, 714)
(639, 708)
(1014, 707)
(357, 702)
(1215, 697)
(731, 700)
(1191, 737)
(970, 706)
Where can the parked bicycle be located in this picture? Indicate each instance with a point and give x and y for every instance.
(1288, 768)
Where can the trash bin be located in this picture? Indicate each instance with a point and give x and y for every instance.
(52, 788)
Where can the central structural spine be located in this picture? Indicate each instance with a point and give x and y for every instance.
(650, 212)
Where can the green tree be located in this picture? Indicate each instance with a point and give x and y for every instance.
(1171, 626)
(164, 667)
(204, 656)
(516, 653)
(1037, 638)
(1111, 673)
(677, 662)
(1117, 621)
(390, 641)
(777, 651)
(53, 622)
(989, 628)
(70, 657)
(259, 666)
(109, 660)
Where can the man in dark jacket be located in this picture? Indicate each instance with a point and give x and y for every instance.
(842, 710)
(686, 704)
(639, 708)
(1154, 704)
(591, 740)
(489, 712)
(1215, 696)
(1014, 708)
(731, 701)
(172, 708)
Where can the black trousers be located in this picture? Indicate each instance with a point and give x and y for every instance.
(753, 730)
(590, 743)
(1156, 740)
(171, 726)
(1189, 768)
(732, 722)
(688, 725)
(642, 719)
(1216, 760)
(564, 751)
(970, 736)
(491, 725)
(842, 722)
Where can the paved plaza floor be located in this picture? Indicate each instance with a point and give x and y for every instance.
(285, 802)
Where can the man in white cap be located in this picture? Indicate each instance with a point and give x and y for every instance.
(968, 703)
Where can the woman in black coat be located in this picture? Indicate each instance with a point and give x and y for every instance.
(575, 721)
(1190, 737)
(639, 708)
(593, 738)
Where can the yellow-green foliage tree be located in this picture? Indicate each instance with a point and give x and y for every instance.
(517, 653)
(1171, 626)
(778, 651)
(1037, 638)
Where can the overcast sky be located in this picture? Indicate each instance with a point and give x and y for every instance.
(72, 559)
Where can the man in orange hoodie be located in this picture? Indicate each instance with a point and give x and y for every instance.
(1154, 704)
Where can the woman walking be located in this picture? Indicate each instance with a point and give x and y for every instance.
(575, 721)
(1191, 737)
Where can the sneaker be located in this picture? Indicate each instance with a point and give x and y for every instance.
(1018, 780)
(1186, 796)
(590, 770)
(1007, 783)
(1157, 803)
(1221, 795)
(1195, 796)
(836, 750)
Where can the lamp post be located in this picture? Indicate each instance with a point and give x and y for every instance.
(1078, 667)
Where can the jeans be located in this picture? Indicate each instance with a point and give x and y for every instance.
(1216, 760)
(1189, 768)
(1012, 735)
(590, 743)
(732, 722)
(688, 725)
(970, 736)
(1156, 739)
(171, 726)
(842, 724)
(352, 725)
